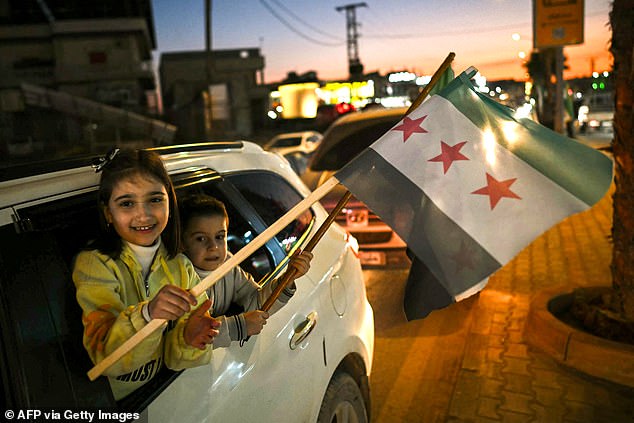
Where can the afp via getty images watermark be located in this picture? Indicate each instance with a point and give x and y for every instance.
(34, 415)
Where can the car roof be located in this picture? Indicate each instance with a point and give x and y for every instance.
(294, 134)
(53, 181)
(31, 169)
(351, 134)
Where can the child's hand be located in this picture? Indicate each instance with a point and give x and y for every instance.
(170, 303)
(301, 263)
(201, 328)
(256, 320)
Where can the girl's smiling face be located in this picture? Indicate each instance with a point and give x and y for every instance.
(138, 209)
(205, 241)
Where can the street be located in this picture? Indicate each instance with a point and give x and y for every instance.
(596, 139)
(416, 363)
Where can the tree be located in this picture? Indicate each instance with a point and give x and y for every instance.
(541, 68)
(611, 314)
(622, 49)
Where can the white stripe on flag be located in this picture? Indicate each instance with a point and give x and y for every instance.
(512, 223)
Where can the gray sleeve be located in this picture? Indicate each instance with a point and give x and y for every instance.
(232, 328)
(245, 289)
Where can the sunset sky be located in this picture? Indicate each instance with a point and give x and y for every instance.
(395, 35)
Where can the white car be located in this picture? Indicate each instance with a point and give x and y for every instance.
(304, 142)
(311, 363)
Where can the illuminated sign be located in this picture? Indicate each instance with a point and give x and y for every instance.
(557, 22)
(401, 77)
(355, 93)
(299, 100)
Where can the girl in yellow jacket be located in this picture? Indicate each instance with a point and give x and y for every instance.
(133, 273)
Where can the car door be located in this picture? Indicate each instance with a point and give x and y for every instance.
(268, 378)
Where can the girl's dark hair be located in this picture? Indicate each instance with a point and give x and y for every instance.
(197, 205)
(126, 163)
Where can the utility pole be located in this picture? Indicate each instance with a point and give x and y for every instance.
(209, 65)
(559, 118)
(355, 68)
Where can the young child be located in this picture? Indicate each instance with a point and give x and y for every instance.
(205, 223)
(133, 274)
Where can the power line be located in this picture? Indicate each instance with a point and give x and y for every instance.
(307, 24)
(293, 29)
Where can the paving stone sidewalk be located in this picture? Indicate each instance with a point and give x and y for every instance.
(502, 378)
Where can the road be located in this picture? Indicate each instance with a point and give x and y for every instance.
(596, 139)
(416, 363)
(470, 363)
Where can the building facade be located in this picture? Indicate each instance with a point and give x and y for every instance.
(76, 74)
(211, 96)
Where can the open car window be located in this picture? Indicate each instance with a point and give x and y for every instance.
(272, 197)
(254, 201)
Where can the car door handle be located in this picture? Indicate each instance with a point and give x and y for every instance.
(303, 330)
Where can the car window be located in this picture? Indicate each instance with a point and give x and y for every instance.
(240, 231)
(288, 142)
(255, 200)
(39, 296)
(334, 155)
(312, 139)
(272, 197)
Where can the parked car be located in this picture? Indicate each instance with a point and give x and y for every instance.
(344, 139)
(304, 142)
(296, 147)
(328, 113)
(311, 362)
(597, 112)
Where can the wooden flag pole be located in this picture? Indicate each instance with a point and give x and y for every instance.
(215, 276)
(432, 82)
(287, 277)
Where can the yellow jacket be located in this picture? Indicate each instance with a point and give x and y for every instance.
(111, 294)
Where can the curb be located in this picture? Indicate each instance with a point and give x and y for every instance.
(572, 347)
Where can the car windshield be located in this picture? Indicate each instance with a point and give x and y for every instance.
(342, 143)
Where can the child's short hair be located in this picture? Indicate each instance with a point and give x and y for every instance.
(199, 205)
(123, 164)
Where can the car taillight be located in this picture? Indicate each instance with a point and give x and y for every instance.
(344, 108)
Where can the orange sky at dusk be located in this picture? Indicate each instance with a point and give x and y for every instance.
(396, 35)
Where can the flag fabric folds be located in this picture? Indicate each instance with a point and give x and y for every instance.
(468, 186)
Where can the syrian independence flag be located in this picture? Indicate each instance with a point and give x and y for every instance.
(468, 186)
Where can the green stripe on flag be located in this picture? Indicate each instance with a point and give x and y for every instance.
(557, 157)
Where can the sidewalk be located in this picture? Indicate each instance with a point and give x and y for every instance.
(503, 379)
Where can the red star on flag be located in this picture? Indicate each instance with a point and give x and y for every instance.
(497, 189)
(410, 126)
(449, 154)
